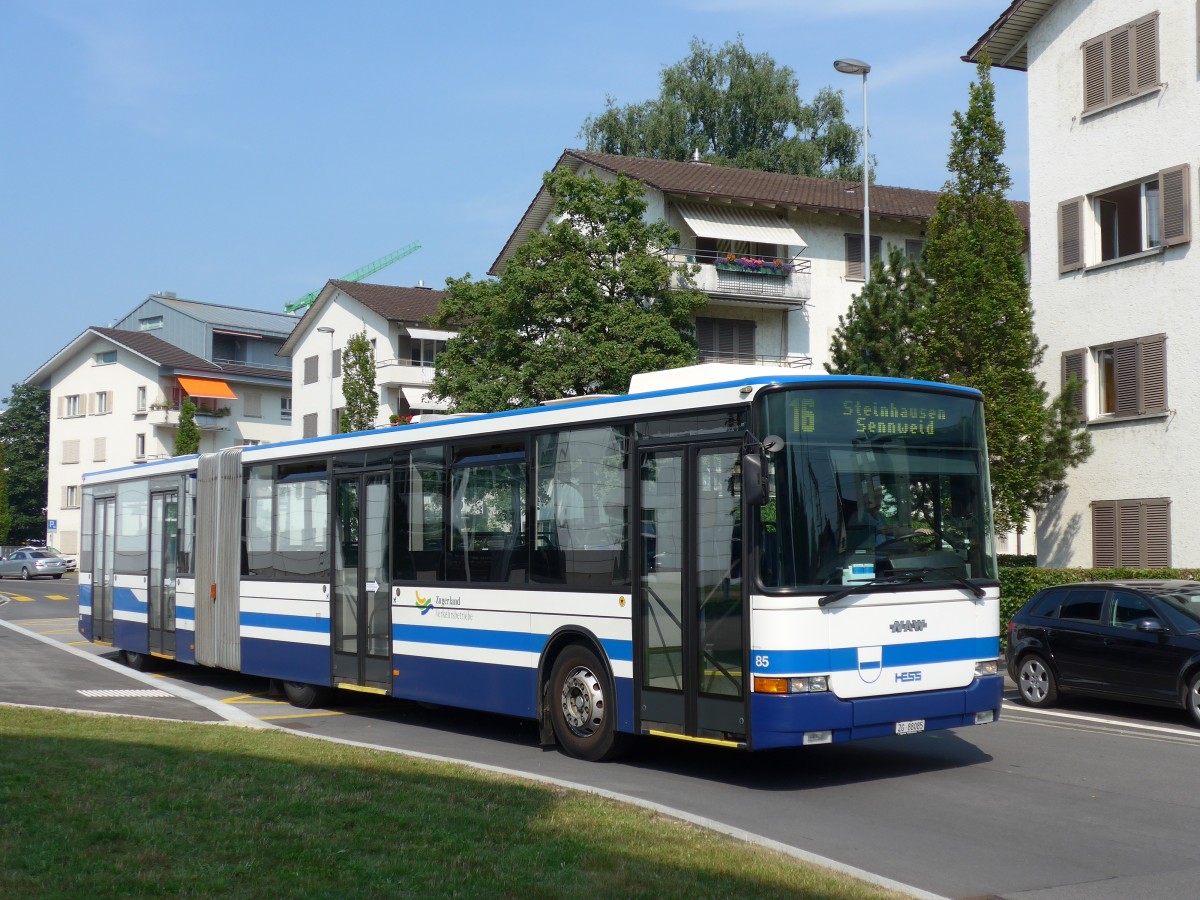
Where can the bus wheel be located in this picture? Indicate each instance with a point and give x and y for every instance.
(139, 662)
(582, 710)
(305, 696)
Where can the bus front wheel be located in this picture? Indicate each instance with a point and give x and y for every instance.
(582, 707)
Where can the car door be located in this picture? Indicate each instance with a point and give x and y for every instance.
(1076, 639)
(1139, 664)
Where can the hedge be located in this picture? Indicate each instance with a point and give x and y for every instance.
(1019, 583)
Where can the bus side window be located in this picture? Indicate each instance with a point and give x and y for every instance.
(419, 513)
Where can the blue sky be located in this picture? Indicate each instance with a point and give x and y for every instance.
(245, 151)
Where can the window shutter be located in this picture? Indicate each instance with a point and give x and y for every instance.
(70, 451)
(252, 404)
(1073, 364)
(1070, 235)
(1153, 373)
(337, 363)
(1129, 533)
(854, 257)
(310, 370)
(1104, 534)
(1093, 73)
(1120, 77)
(62, 401)
(1158, 533)
(706, 335)
(1125, 359)
(99, 449)
(310, 425)
(66, 498)
(1145, 50)
(1173, 191)
(745, 339)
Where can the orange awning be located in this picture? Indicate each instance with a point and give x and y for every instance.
(206, 387)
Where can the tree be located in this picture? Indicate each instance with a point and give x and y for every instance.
(25, 438)
(878, 334)
(358, 384)
(978, 329)
(187, 436)
(5, 512)
(580, 307)
(737, 109)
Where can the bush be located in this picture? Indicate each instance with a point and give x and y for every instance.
(1013, 561)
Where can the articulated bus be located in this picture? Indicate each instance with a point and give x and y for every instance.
(739, 556)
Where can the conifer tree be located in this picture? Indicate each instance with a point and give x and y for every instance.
(358, 384)
(187, 436)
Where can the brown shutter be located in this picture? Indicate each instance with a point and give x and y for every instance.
(1093, 73)
(309, 426)
(1157, 530)
(1153, 373)
(1125, 359)
(706, 335)
(1070, 235)
(1120, 73)
(854, 257)
(1073, 362)
(1104, 534)
(1174, 187)
(1129, 533)
(1145, 52)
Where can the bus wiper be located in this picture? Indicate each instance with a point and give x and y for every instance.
(903, 577)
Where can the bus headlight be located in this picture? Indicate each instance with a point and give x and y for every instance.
(987, 667)
(809, 684)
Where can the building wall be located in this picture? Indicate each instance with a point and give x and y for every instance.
(1072, 155)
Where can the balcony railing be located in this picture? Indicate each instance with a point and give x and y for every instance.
(255, 363)
(757, 278)
(161, 417)
(794, 361)
(402, 372)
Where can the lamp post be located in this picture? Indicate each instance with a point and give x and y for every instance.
(325, 329)
(858, 67)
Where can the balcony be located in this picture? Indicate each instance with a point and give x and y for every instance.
(788, 285)
(206, 420)
(795, 361)
(402, 373)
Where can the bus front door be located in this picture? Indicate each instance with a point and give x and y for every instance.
(104, 531)
(361, 616)
(690, 594)
(164, 568)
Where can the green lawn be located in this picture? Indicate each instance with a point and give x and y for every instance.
(103, 806)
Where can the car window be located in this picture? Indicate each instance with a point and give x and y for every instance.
(1128, 609)
(1082, 605)
(1183, 609)
(1046, 605)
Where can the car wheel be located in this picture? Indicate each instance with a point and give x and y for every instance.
(1036, 682)
(1193, 698)
(305, 696)
(582, 707)
(56, 577)
(25, 576)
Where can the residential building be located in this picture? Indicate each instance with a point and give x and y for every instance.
(115, 393)
(395, 322)
(1113, 140)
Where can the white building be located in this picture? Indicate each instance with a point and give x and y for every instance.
(115, 393)
(394, 319)
(1114, 131)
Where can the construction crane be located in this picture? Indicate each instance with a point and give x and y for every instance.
(357, 275)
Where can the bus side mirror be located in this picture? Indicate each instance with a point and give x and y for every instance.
(754, 479)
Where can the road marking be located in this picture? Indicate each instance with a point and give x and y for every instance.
(128, 692)
(21, 598)
(302, 715)
(253, 700)
(56, 597)
(60, 631)
(1100, 721)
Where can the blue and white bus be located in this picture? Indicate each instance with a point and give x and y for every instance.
(739, 556)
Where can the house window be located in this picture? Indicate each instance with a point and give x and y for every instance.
(139, 446)
(69, 406)
(105, 357)
(1123, 379)
(70, 497)
(141, 399)
(310, 370)
(854, 255)
(710, 250)
(725, 340)
(70, 452)
(285, 408)
(913, 249)
(102, 403)
(425, 352)
(1121, 63)
(1127, 220)
(150, 323)
(1131, 533)
(310, 425)
(337, 363)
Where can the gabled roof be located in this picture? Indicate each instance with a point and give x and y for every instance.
(233, 317)
(1007, 38)
(702, 181)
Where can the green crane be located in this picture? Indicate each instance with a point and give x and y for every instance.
(357, 275)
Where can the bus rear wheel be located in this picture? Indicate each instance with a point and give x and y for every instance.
(582, 707)
(139, 662)
(305, 696)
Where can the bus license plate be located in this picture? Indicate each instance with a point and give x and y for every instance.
(914, 727)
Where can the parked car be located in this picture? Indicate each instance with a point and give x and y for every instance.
(70, 559)
(32, 564)
(1126, 640)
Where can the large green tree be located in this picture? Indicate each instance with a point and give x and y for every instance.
(358, 384)
(25, 437)
(579, 308)
(878, 334)
(736, 108)
(978, 329)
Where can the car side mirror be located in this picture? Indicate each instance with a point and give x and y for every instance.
(1151, 626)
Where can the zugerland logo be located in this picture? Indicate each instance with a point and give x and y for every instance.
(424, 603)
(902, 625)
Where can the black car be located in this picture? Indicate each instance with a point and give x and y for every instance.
(1126, 640)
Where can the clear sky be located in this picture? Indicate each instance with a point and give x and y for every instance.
(243, 152)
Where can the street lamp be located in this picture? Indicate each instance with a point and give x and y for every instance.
(858, 67)
(325, 329)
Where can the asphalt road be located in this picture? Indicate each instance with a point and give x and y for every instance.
(1093, 800)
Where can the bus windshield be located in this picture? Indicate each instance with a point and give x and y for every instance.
(874, 482)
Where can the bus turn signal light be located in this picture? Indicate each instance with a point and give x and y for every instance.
(770, 685)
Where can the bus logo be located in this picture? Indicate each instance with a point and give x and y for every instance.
(423, 603)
